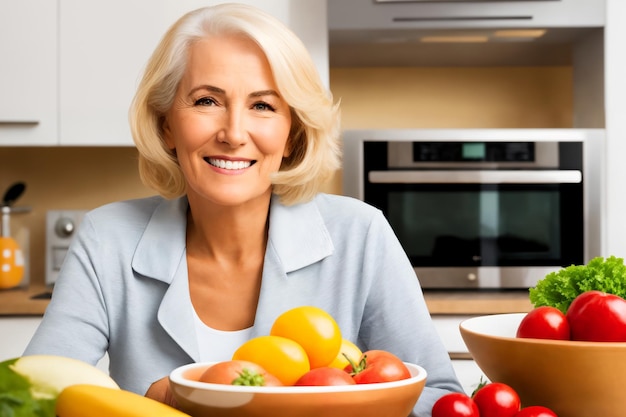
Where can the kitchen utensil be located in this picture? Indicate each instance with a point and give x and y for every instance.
(389, 399)
(11, 255)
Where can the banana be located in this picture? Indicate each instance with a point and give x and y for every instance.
(85, 400)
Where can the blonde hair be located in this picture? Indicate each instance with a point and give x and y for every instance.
(314, 136)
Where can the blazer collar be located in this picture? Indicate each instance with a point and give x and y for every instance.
(162, 245)
(297, 234)
(297, 238)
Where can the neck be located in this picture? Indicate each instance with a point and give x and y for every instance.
(229, 233)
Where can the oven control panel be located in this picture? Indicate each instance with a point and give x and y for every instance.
(474, 151)
(61, 226)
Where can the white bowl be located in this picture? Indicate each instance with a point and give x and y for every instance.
(389, 399)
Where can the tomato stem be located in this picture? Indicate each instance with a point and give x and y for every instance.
(356, 368)
(249, 378)
(481, 384)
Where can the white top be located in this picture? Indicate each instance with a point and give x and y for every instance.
(218, 345)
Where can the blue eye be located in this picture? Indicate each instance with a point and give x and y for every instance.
(205, 101)
(262, 106)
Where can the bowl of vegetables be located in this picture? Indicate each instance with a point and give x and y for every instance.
(391, 399)
(569, 352)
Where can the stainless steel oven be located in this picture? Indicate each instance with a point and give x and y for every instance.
(483, 208)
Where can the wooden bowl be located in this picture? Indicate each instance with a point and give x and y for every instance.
(574, 379)
(389, 399)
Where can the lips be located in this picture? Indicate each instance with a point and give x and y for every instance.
(229, 164)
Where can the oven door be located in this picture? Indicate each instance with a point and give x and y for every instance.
(487, 229)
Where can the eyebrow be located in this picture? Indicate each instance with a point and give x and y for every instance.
(218, 90)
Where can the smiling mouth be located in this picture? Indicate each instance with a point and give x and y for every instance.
(230, 165)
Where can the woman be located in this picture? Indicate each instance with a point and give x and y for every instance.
(237, 134)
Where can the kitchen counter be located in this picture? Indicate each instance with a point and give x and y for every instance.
(33, 301)
(24, 302)
(477, 302)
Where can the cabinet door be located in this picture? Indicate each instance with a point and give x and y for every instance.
(105, 45)
(28, 69)
(103, 48)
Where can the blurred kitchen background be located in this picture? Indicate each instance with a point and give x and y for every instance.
(69, 69)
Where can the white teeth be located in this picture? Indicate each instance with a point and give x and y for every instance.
(221, 163)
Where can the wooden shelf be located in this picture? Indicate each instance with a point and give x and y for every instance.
(477, 302)
(29, 301)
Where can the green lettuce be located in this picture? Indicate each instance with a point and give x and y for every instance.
(15, 396)
(558, 289)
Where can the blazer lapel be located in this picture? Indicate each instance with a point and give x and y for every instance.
(161, 255)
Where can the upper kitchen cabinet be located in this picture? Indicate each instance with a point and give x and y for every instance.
(104, 47)
(446, 14)
(28, 65)
(461, 33)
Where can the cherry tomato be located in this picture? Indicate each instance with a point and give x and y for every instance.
(238, 372)
(348, 349)
(497, 400)
(314, 329)
(281, 357)
(597, 317)
(378, 366)
(536, 411)
(455, 404)
(544, 322)
(325, 376)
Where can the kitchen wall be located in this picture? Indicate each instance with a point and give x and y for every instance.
(509, 97)
(453, 97)
(61, 178)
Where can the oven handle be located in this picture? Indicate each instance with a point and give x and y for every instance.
(476, 177)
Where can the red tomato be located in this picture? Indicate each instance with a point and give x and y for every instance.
(497, 400)
(378, 366)
(455, 404)
(237, 372)
(598, 317)
(544, 323)
(536, 411)
(325, 375)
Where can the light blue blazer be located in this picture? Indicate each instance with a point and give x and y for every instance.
(123, 288)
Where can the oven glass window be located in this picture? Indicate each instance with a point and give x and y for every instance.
(486, 227)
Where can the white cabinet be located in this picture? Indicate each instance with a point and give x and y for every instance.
(105, 45)
(467, 371)
(385, 14)
(28, 72)
(17, 332)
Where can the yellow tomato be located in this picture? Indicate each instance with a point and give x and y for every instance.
(351, 350)
(314, 329)
(279, 356)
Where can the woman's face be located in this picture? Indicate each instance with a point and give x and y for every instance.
(228, 124)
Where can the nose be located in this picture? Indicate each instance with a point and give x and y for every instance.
(233, 131)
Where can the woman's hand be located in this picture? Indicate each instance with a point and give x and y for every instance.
(160, 391)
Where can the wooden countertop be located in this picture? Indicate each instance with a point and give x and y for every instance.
(477, 302)
(24, 302)
(32, 301)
